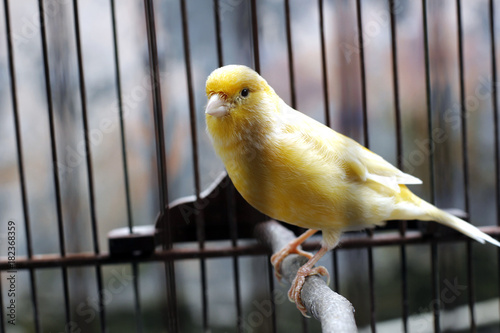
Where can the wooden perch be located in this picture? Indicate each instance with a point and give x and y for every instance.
(335, 312)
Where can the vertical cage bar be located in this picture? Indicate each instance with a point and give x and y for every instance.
(470, 283)
(158, 115)
(233, 226)
(494, 101)
(123, 142)
(371, 275)
(288, 30)
(395, 83)
(123, 146)
(20, 167)
(64, 271)
(270, 279)
(428, 100)
(362, 73)
(328, 120)
(435, 284)
(463, 111)
(256, 58)
(465, 161)
(335, 263)
(233, 230)
(137, 302)
(200, 220)
(17, 126)
(305, 324)
(324, 67)
(218, 34)
(434, 249)
(88, 160)
(290, 53)
(404, 287)
(50, 112)
(255, 35)
(2, 321)
(192, 106)
(399, 153)
(172, 314)
(88, 151)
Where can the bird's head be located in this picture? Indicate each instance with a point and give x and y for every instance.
(236, 91)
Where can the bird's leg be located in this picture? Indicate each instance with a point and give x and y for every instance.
(291, 247)
(303, 272)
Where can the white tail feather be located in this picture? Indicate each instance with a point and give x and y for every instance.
(461, 225)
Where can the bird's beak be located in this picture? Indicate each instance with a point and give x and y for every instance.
(216, 106)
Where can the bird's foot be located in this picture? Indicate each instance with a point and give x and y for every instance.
(298, 283)
(279, 256)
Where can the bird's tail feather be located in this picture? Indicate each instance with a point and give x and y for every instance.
(460, 225)
(412, 207)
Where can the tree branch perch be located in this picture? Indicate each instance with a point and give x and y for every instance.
(335, 312)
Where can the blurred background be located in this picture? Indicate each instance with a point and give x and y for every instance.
(345, 109)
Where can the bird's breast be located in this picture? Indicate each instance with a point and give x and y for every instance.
(272, 183)
(292, 181)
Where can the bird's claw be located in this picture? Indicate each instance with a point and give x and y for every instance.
(278, 257)
(276, 260)
(297, 284)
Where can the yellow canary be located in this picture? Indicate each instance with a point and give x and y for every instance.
(297, 170)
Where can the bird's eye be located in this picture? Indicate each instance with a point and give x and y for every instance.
(245, 92)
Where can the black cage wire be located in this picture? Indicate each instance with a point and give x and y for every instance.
(102, 133)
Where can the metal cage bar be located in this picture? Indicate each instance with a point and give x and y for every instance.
(293, 94)
(2, 320)
(289, 49)
(428, 99)
(326, 112)
(256, 60)
(233, 223)
(366, 141)
(123, 142)
(158, 118)
(461, 75)
(88, 160)
(255, 35)
(271, 284)
(324, 66)
(164, 218)
(200, 219)
(435, 285)
(218, 37)
(399, 157)
(433, 245)
(494, 100)
(123, 146)
(50, 110)
(233, 231)
(20, 167)
(465, 161)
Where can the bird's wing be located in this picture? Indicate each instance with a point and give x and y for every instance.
(348, 153)
(369, 165)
